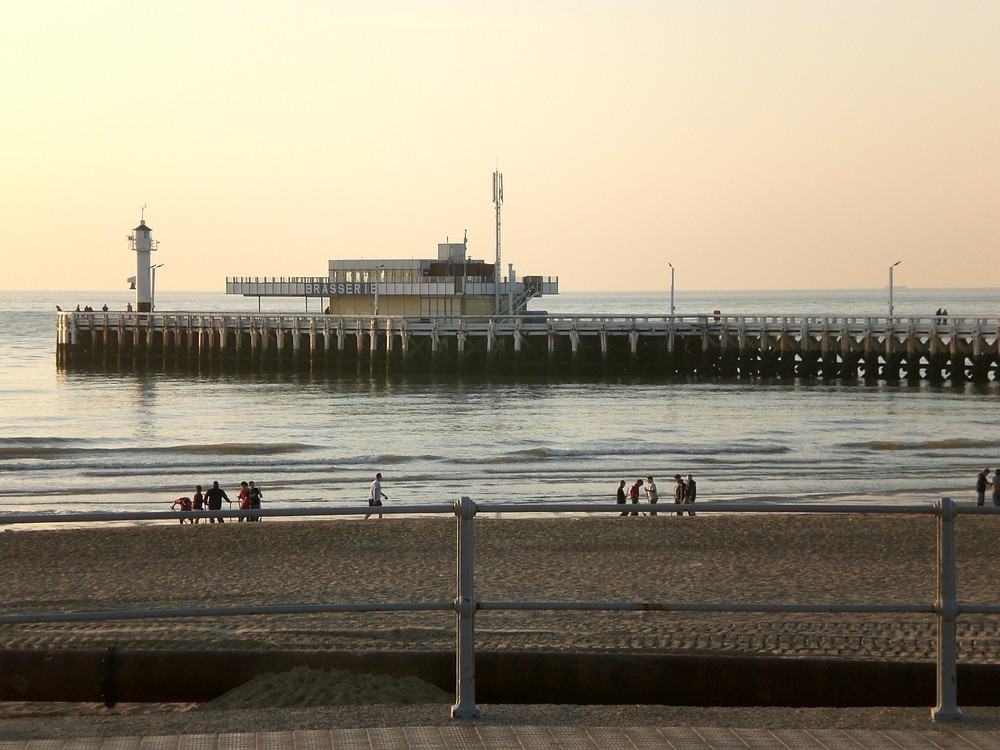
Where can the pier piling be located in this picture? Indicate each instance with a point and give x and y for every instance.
(827, 347)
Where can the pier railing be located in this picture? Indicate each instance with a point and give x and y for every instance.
(945, 607)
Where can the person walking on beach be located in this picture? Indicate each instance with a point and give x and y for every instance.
(214, 498)
(678, 493)
(620, 498)
(982, 482)
(197, 501)
(184, 503)
(651, 494)
(633, 494)
(690, 492)
(255, 497)
(243, 500)
(375, 495)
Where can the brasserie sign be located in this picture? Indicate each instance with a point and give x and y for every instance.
(335, 289)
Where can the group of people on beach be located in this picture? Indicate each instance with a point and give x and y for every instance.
(248, 499)
(983, 483)
(685, 493)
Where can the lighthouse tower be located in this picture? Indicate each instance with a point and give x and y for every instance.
(142, 243)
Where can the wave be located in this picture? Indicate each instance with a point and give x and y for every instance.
(381, 458)
(238, 449)
(35, 447)
(923, 445)
(13, 448)
(541, 453)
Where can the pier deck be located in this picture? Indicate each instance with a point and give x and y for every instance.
(936, 349)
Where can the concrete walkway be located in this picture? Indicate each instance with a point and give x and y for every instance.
(522, 737)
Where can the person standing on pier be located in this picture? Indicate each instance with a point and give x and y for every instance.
(214, 496)
(375, 495)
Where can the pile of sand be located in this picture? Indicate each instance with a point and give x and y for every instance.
(307, 688)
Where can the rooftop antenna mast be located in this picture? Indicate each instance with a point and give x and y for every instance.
(498, 202)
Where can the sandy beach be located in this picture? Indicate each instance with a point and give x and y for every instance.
(721, 558)
(747, 558)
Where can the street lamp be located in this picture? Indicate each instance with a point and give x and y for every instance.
(671, 287)
(377, 275)
(152, 288)
(891, 307)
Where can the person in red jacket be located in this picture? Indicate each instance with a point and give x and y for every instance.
(633, 494)
(243, 499)
(184, 503)
(198, 501)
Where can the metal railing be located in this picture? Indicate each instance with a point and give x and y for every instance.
(466, 604)
(983, 329)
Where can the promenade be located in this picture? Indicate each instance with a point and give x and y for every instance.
(508, 727)
(518, 738)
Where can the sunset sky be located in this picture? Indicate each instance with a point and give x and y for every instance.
(773, 144)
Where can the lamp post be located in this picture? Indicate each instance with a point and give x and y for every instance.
(152, 287)
(891, 307)
(671, 287)
(377, 274)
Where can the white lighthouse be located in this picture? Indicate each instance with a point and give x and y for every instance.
(142, 243)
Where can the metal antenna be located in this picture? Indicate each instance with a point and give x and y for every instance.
(497, 201)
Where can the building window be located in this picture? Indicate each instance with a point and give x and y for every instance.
(437, 307)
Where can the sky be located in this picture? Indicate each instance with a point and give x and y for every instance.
(753, 144)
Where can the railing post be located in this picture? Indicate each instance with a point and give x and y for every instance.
(946, 607)
(465, 613)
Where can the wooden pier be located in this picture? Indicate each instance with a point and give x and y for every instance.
(932, 348)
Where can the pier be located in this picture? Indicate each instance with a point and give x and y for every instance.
(934, 349)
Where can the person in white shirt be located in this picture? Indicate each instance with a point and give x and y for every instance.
(375, 495)
(651, 493)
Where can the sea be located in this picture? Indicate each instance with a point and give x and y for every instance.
(135, 441)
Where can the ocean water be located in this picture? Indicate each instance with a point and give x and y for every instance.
(75, 441)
